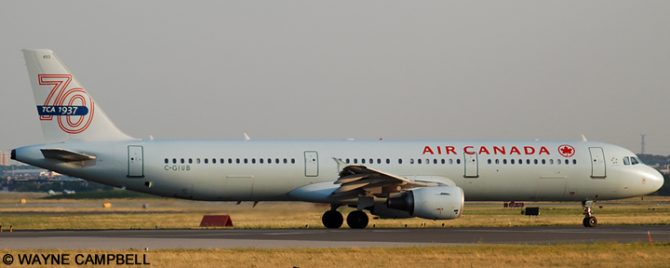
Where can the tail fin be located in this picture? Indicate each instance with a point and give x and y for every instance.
(65, 109)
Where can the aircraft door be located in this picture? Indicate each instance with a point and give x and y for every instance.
(471, 166)
(598, 169)
(311, 164)
(135, 161)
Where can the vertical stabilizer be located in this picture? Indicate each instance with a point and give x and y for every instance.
(66, 111)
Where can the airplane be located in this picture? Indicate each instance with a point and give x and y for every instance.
(429, 179)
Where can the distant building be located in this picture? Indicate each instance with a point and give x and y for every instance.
(4, 159)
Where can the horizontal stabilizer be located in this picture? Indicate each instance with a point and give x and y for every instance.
(65, 155)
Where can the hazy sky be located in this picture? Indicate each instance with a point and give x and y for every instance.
(352, 69)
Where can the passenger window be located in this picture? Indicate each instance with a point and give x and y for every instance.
(411, 160)
(269, 160)
(558, 161)
(458, 161)
(379, 161)
(174, 160)
(190, 160)
(363, 161)
(292, 160)
(372, 161)
(626, 161)
(520, 161)
(574, 161)
(418, 161)
(182, 160)
(197, 160)
(544, 161)
(285, 161)
(497, 161)
(253, 160)
(355, 160)
(528, 161)
(167, 161)
(634, 161)
(427, 161)
(504, 161)
(260, 160)
(206, 160)
(567, 161)
(237, 160)
(489, 161)
(451, 161)
(399, 160)
(230, 160)
(347, 161)
(388, 161)
(222, 161)
(511, 161)
(551, 161)
(442, 161)
(535, 161)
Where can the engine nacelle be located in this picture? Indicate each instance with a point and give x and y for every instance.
(436, 203)
(384, 212)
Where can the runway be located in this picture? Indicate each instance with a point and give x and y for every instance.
(323, 238)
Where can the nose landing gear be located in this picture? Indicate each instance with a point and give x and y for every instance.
(589, 220)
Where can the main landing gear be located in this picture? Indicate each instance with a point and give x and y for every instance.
(357, 219)
(333, 219)
(589, 220)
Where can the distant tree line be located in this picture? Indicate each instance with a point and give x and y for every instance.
(58, 187)
(653, 159)
(665, 189)
(16, 167)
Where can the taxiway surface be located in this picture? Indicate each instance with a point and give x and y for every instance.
(319, 238)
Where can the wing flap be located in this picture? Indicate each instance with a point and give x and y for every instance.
(351, 186)
(350, 178)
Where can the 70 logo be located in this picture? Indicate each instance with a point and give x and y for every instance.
(73, 107)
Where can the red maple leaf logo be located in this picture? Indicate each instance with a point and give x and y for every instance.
(566, 150)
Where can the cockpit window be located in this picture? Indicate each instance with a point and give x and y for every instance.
(634, 160)
(626, 161)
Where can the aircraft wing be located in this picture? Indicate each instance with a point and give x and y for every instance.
(357, 180)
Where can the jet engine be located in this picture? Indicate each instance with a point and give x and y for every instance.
(436, 203)
(384, 212)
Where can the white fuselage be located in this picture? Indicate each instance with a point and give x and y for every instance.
(268, 170)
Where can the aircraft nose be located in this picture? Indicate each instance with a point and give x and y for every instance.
(655, 179)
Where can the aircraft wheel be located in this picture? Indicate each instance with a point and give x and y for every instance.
(585, 222)
(357, 219)
(591, 222)
(332, 219)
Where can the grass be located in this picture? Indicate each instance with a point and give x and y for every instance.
(171, 213)
(130, 213)
(512, 256)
